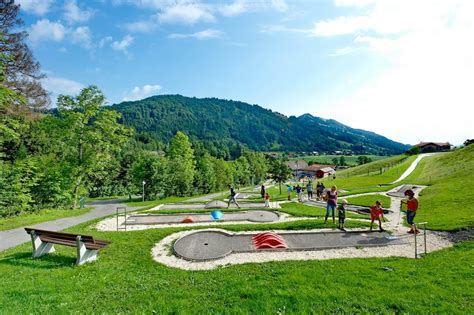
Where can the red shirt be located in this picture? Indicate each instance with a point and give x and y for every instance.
(376, 211)
(412, 204)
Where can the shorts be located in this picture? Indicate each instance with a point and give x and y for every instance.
(342, 218)
(410, 217)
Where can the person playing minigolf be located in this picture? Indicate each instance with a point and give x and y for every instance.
(376, 212)
(232, 198)
(412, 206)
(262, 191)
(331, 199)
(341, 214)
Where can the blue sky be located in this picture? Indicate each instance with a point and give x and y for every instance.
(393, 67)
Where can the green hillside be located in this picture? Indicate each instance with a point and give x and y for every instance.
(448, 202)
(223, 124)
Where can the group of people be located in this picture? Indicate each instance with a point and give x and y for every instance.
(320, 188)
(331, 196)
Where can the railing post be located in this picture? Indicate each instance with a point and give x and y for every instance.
(416, 246)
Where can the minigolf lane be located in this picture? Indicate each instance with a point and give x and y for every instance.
(249, 216)
(209, 245)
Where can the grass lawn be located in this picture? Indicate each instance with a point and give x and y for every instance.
(125, 279)
(448, 202)
(370, 200)
(38, 217)
(151, 203)
(358, 181)
(327, 159)
(302, 210)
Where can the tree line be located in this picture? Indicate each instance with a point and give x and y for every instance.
(50, 159)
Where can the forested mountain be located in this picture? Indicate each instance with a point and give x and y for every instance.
(224, 124)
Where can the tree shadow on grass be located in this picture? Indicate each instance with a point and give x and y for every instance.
(48, 261)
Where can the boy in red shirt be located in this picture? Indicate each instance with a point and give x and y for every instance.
(376, 211)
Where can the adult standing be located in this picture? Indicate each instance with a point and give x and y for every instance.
(290, 189)
(321, 190)
(309, 189)
(412, 206)
(262, 191)
(232, 198)
(331, 199)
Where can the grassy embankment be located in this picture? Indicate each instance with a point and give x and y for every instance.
(448, 201)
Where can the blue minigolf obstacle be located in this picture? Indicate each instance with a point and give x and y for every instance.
(216, 214)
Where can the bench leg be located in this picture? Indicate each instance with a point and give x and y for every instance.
(85, 255)
(39, 247)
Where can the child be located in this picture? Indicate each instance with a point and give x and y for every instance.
(412, 206)
(341, 213)
(267, 200)
(290, 189)
(376, 212)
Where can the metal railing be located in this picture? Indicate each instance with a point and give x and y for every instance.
(424, 237)
(121, 214)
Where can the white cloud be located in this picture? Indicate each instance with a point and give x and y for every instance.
(104, 41)
(202, 35)
(58, 85)
(72, 12)
(353, 3)
(82, 35)
(342, 51)
(425, 92)
(138, 93)
(46, 30)
(185, 13)
(38, 7)
(142, 26)
(123, 44)
(242, 6)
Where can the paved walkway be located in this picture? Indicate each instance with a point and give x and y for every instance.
(12, 238)
(412, 167)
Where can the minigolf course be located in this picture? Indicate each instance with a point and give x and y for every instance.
(250, 216)
(211, 244)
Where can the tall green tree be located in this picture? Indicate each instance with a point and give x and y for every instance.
(182, 166)
(279, 171)
(22, 72)
(91, 135)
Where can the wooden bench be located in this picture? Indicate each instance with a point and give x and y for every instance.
(87, 247)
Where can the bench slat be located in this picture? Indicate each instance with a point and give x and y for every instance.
(61, 235)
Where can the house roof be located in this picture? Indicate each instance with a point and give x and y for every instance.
(317, 167)
(328, 170)
(297, 165)
(439, 144)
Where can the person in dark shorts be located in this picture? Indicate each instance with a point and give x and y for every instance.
(232, 198)
(318, 191)
(412, 206)
(341, 215)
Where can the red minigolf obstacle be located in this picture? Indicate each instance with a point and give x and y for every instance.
(188, 219)
(268, 240)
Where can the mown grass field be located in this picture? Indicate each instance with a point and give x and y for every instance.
(370, 200)
(125, 279)
(448, 201)
(38, 217)
(358, 180)
(328, 158)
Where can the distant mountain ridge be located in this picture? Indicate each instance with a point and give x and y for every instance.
(218, 122)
